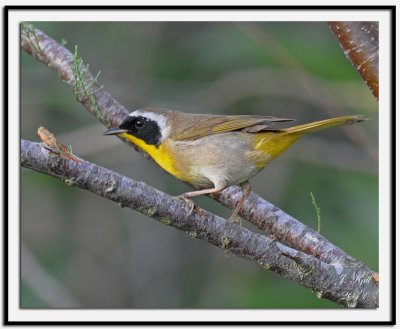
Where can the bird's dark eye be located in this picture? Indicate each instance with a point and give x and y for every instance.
(139, 123)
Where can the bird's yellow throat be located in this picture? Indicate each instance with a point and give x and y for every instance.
(160, 154)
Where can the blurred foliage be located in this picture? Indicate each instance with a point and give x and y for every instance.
(105, 256)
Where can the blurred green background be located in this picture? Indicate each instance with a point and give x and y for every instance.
(80, 250)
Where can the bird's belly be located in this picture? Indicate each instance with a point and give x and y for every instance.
(212, 159)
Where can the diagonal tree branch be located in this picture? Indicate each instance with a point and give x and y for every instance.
(360, 43)
(285, 228)
(258, 211)
(344, 285)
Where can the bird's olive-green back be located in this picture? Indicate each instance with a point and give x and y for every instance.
(186, 126)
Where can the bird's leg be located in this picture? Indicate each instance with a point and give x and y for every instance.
(192, 194)
(246, 189)
(186, 196)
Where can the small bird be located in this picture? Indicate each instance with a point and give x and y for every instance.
(212, 152)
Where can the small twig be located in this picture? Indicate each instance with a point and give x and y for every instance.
(54, 146)
(84, 83)
(318, 211)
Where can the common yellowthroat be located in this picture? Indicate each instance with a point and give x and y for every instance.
(212, 152)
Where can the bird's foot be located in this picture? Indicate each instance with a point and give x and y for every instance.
(188, 202)
(235, 219)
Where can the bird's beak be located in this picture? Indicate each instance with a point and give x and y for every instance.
(115, 131)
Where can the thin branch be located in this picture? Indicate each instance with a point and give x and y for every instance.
(360, 43)
(344, 285)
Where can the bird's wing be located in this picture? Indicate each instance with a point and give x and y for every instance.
(202, 125)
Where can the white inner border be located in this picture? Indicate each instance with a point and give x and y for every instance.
(16, 314)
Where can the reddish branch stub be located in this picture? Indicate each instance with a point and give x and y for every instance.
(360, 43)
(375, 277)
(54, 146)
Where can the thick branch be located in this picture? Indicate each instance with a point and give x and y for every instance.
(360, 43)
(342, 284)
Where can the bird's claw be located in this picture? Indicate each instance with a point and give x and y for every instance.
(188, 202)
(235, 219)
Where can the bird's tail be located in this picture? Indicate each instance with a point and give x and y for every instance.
(272, 143)
(323, 124)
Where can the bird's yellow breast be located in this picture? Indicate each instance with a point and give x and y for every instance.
(161, 154)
